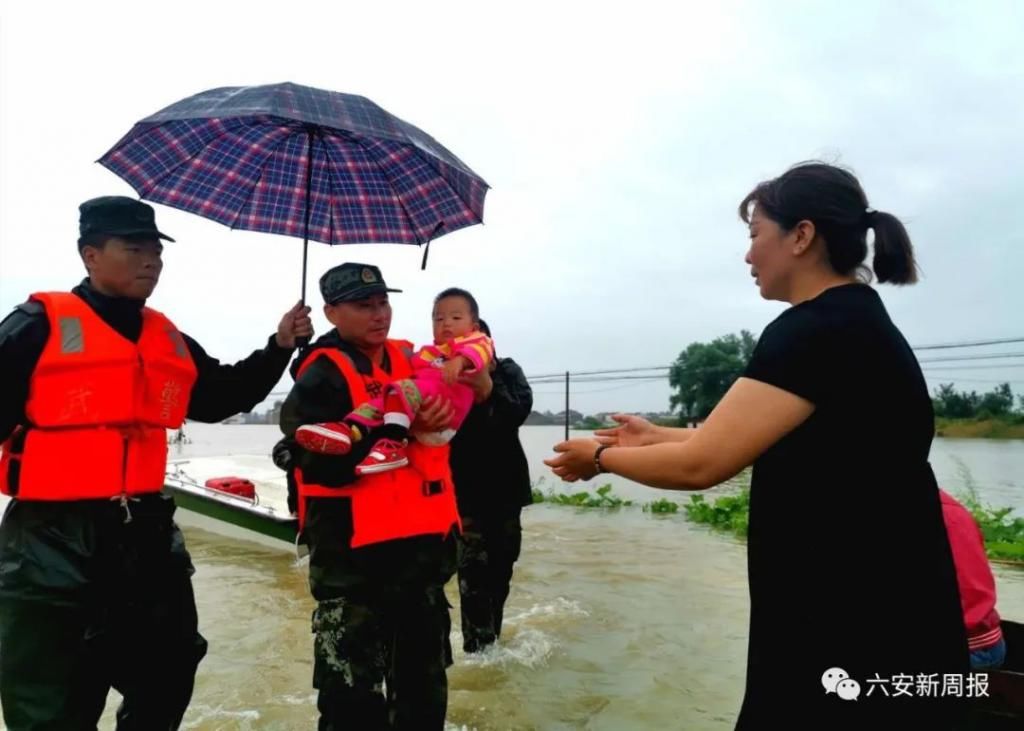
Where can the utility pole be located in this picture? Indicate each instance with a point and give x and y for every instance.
(567, 405)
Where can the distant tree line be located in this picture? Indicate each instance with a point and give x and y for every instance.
(996, 404)
(546, 418)
(704, 372)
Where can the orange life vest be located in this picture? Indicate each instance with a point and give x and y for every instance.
(410, 501)
(98, 407)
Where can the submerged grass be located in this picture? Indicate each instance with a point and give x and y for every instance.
(729, 511)
(1003, 532)
(602, 497)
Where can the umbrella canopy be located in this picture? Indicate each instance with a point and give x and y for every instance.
(241, 156)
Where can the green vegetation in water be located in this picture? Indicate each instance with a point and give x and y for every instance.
(1004, 533)
(602, 497)
(728, 513)
(662, 507)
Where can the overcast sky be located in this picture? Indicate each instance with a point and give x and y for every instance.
(617, 141)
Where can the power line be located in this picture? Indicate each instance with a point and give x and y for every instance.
(591, 376)
(561, 391)
(601, 379)
(597, 377)
(993, 356)
(572, 374)
(968, 344)
(936, 346)
(982, 380)
(938, 369)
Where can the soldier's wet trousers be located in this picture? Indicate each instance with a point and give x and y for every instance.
(58, 662)
(90, 601)
(380, 660)
(487, 551)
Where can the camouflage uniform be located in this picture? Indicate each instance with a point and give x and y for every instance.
(381, 622)
(380, 661)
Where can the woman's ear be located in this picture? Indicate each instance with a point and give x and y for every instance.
(803, 237)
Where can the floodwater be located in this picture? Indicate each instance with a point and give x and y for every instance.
(618, 619)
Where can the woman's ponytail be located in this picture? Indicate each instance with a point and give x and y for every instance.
(894, 255)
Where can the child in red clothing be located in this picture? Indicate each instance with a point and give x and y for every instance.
(977, 586)
(459, 348)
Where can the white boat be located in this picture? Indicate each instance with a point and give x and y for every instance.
(243, 497)
(210, 494)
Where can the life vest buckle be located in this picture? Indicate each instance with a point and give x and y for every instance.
(124, 499)
(432, 487)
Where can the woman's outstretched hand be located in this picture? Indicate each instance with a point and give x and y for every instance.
(633, 431)
(575, 460)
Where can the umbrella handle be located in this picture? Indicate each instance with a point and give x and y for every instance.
(310, 132)
(302, 342)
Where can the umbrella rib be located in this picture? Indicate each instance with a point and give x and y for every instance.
(358, 140)
(157, 180)
(383, 172)
(429, 160)
(252, 190)
(330, 184)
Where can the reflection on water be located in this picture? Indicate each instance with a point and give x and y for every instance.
(617, 619)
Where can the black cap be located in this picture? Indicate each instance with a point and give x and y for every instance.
(350, 281)
(117, 215)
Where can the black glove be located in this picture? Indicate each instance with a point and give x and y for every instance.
(282, 454)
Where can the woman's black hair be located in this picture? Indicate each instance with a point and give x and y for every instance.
(834, 201)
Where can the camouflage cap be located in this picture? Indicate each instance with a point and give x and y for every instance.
(351, 281)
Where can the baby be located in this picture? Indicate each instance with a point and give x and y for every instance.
(459, 348)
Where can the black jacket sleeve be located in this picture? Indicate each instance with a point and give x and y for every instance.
(221, 391)
(492, 476)
(23, 335)
(511, 400)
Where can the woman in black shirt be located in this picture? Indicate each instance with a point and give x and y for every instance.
(850, 569)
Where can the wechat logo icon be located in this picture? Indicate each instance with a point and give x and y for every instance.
(838, 681)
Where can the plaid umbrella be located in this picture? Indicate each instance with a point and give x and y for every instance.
(240, 156)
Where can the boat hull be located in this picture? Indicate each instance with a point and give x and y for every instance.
(1003, 707)
(264, 520)
(226, 518)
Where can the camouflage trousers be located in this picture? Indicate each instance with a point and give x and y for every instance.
(487, 551)
(380, 661)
